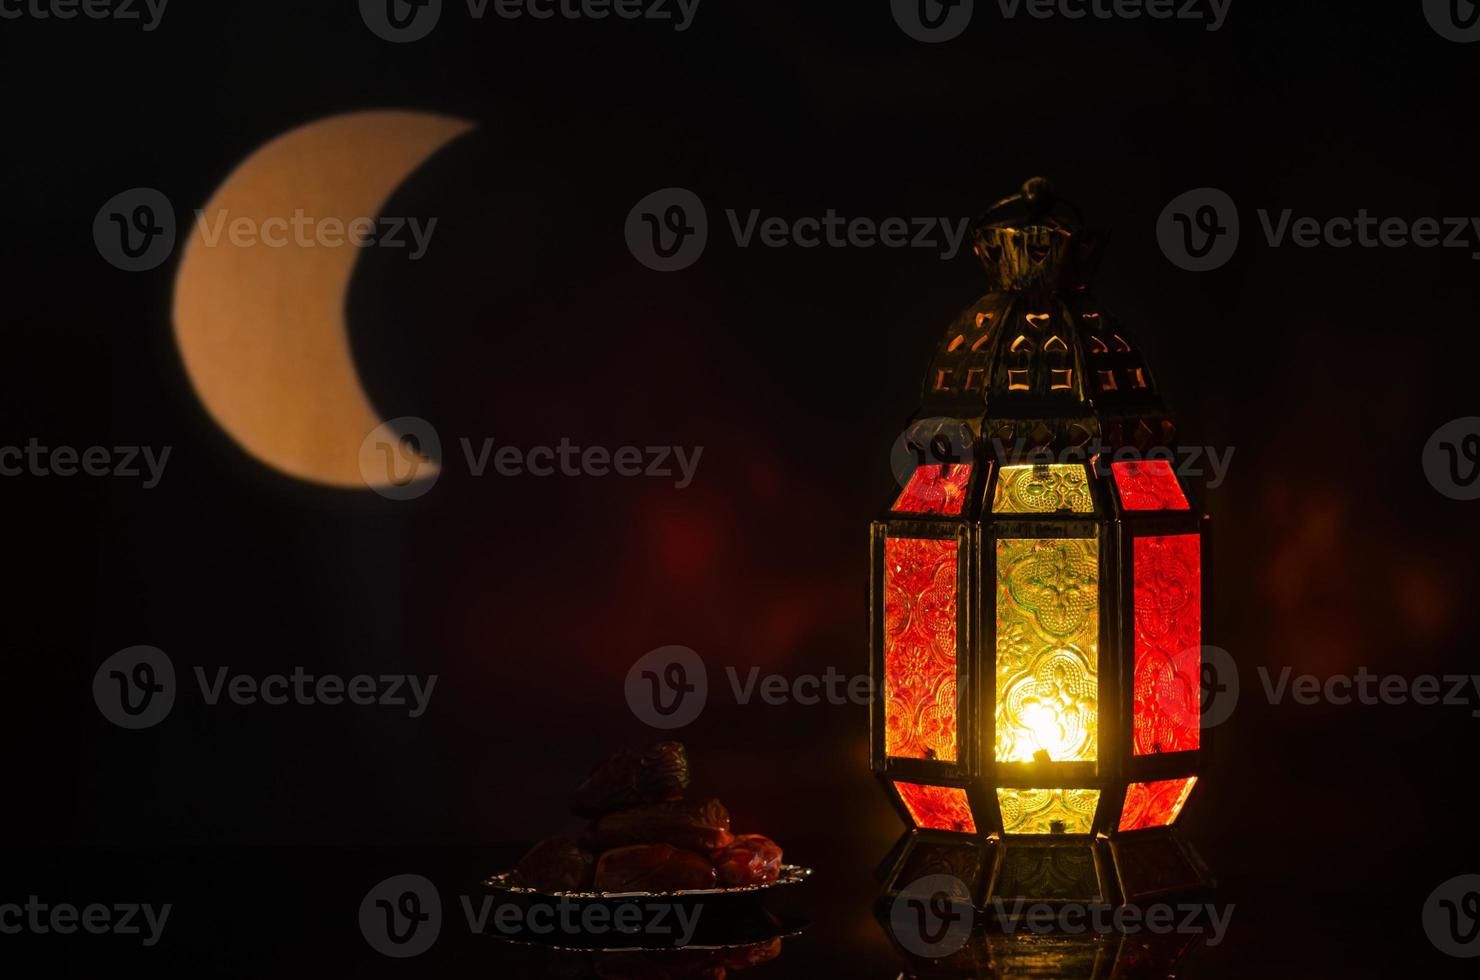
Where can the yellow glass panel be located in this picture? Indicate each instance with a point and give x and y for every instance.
(1048, 649)
(1045, 489)
(1048, 811)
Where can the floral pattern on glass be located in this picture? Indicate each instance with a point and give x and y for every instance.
(1048, 811)
(1148, 485)
(938, 807)
(1155, 804)
(1048, 626)
(935, 489)
(1168, 623)
(1045, 489)
(920, 648)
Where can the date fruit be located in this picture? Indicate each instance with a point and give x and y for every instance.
(556, 864)
(695, 827)
(750, 860)
(631, 778)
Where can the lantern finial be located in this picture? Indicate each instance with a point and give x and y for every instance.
(1038, 194)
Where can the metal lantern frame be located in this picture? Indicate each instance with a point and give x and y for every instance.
(1040, 262)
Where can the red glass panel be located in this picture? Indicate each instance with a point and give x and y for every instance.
(938, 807)
(920, 648)
(1155, 804)
(935, 490)
(1148, 485)
(1168, 597)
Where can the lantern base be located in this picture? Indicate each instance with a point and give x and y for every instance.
(1009, 878)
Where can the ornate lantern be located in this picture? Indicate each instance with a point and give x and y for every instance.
(1037, 598)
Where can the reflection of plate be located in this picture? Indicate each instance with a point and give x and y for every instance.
(742, 937)
(685, 963)
(791, 874)
(724, 919)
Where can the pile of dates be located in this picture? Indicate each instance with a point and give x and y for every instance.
(645, 837)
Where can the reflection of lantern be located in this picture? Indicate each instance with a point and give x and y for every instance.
(1037, 592)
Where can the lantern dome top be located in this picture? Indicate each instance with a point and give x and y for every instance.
(1034, 241)
(1036, 360)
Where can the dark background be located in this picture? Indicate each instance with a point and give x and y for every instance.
(1325, 370)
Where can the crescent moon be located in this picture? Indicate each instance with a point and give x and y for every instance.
(262, 328)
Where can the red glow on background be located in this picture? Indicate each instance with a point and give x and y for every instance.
(938, 807)
(1168, 598)
(686, 537)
